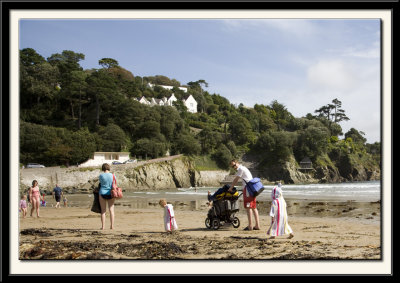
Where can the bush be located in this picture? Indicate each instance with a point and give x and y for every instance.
(148, 147)
(222, 156)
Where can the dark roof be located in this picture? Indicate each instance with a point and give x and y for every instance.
(306, 160)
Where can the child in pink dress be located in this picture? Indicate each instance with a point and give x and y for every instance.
(169, 216)
(23, 206)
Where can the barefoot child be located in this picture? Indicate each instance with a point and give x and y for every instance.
(169, 216)
(23, 206)
(279, 222)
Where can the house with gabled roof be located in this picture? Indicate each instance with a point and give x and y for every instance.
(189, 102)
(143, 100)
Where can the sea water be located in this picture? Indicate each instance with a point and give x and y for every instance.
(355, 191)
(196, 196)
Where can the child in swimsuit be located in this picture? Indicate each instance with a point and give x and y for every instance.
(23, 206)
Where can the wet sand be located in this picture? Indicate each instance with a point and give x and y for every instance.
(323, 230)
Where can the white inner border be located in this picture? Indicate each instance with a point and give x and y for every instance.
(383, 266)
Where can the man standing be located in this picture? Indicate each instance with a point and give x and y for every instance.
(57, 194)
(248, 201)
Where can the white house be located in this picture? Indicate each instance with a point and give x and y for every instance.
(143, 100)
(191, 104)
(105, 157)
(170, 87)
(156, 101)
(171, 99)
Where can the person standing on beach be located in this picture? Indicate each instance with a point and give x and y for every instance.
(34, 196)
(279, 221)
(23, 206)
(169, 216)
(106, 180)
(57, 194)
(249, 201)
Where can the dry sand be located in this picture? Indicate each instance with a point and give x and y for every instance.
(323, 230)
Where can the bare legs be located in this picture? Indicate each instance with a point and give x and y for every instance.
(253, 211)
(103, 203)
(35, 206)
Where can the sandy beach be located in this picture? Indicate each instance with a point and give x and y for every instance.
(323, 230)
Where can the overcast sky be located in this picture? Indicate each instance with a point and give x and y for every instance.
(302, 63)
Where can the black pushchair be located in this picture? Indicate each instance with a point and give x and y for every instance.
(224, 207)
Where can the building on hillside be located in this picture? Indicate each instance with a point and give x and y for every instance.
(143, 100)
(169, 87)
(306, 164)
(171, 100)
(191, 104)
(105, 157)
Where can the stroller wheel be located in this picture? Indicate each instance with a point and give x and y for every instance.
(215, 224)
(235, 222)
(208, 223)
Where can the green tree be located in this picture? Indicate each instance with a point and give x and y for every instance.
(185, 143)
(29, 57)
(209, 140)
(108, 63)
(67, 62)
(100, 86)
(356, 136)
(78, 89)
(275, 146)
(83, 144)
(240, 130)
(112, 138)
(222, 156)
(148, 148)
(281, 116)
(338, 113)
(333, 114)
(312, 142)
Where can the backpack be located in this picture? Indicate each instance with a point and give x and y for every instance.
(254, 187)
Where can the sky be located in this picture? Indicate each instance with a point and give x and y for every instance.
(302, 63)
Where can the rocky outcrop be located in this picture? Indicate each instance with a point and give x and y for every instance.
(290, 173)
(161, 174)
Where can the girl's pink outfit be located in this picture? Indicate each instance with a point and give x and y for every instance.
(169, 218)
(22, 203)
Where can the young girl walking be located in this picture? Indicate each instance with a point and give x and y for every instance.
(23, 206)
(169, 216)
(279, 221)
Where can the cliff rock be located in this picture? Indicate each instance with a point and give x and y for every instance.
(164, 173)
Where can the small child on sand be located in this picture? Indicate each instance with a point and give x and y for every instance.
(43, 202)
(65, 201)
(279, 219)
(23, 206)
(169, 216)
